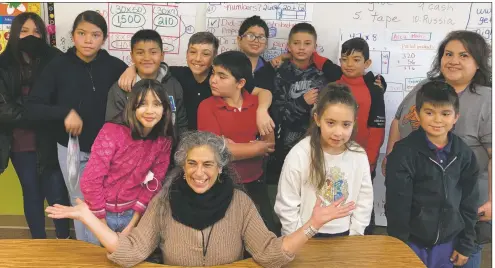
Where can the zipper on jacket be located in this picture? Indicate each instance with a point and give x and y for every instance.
(444, 189)
(91, 76)
(443, 173)
(438, 235)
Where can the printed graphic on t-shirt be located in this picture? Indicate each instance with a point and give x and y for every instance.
(172, 103)
(411, 118)
(335, 186)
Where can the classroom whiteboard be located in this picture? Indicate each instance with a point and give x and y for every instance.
(224, 20)
(404, 44)
(173, 21)
(403, 37)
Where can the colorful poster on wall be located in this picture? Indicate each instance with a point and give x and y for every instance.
(7, 13)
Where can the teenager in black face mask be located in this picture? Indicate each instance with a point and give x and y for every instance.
(33, 46)
(33, 152)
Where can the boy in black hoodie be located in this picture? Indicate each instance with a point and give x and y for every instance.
(431, 183)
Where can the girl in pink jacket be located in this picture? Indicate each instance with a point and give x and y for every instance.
(128, 161)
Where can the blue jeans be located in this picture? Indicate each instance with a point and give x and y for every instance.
(116, 221)
(474, 260)
(74, 194)
(437, 256)
(35, 189)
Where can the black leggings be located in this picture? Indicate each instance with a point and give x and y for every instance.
(369, 229)
(323, 235)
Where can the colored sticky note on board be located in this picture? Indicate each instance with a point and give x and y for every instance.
(3, 41)
(12, 9)
(35, 8)
(16, 8)
(6, 20)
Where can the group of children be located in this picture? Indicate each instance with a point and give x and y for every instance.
(227, 109)
(318, 139)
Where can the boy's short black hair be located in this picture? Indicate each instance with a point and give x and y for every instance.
(437, 93)
(236, 62)
(303, 27)
(356, 44)
(204, 38)
(253, 21)
(146, 36)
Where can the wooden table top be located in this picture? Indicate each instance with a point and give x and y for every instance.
(353, 251)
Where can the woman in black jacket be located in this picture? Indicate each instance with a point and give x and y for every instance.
(73, 91)
(32, 150)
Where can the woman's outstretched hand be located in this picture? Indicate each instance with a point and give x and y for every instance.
(61, 212)
(323, 214)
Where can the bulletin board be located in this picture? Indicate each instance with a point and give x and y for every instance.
(8, 11)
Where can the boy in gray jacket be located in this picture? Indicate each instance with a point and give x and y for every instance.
(147, 54)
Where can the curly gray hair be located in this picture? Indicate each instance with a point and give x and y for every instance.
(190, 140)
(194, 139)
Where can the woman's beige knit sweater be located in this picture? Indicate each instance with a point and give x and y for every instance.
(242, 227)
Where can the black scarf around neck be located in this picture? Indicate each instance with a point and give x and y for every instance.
(199, 211)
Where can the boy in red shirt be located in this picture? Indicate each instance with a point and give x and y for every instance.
(355, 59)
(231, 113)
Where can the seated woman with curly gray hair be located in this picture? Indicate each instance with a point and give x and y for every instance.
(202, 217)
